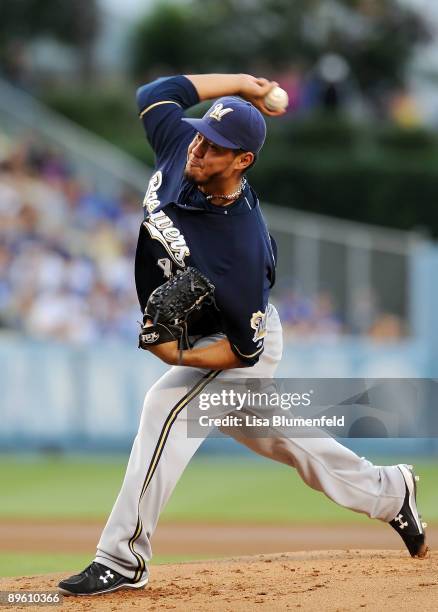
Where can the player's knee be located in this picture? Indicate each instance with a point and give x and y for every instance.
(151, 404)
(281, 450)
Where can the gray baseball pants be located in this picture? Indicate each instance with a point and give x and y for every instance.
(162, 450)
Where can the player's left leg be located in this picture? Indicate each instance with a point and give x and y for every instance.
(387, 493)
(327, 466)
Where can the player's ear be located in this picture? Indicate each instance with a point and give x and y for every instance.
(244, 160)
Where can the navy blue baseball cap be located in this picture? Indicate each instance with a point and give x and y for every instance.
(233, 123)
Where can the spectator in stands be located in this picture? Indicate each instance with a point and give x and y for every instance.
(65, 251)
(304, 316)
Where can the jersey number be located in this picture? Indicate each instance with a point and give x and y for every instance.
(166, 266)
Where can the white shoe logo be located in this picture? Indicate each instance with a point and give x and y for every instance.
(219, 111)
(399, 518)
(106, 577)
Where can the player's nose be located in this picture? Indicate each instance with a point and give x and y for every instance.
(199, 149)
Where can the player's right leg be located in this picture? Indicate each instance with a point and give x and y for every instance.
(161, 451)
(159, 455)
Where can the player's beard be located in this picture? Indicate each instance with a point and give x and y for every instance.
(200, 182)
(193, 179)
(189, 176)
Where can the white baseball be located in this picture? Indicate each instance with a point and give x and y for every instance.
(276, 99)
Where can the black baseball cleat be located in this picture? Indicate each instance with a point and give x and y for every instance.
(97, 579)
(408, 523)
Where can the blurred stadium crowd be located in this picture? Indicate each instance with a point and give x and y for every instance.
(67, 252)
(317, 317)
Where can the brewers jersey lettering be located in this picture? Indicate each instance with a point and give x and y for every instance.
(230, 245)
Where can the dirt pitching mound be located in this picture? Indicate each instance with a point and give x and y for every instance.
(317, 580)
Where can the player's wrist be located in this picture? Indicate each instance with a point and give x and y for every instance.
(245, 84)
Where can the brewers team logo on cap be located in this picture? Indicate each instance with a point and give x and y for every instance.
(219, 111)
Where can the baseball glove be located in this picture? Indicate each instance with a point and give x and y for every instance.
(170, 305)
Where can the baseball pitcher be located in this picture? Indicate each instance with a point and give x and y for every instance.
(205, 264)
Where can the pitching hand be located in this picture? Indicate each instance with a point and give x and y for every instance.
(254, 90)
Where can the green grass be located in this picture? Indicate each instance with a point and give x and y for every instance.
(59, 488)
(265, 492)
(211, 490)
(222, 490)
(29, 564)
